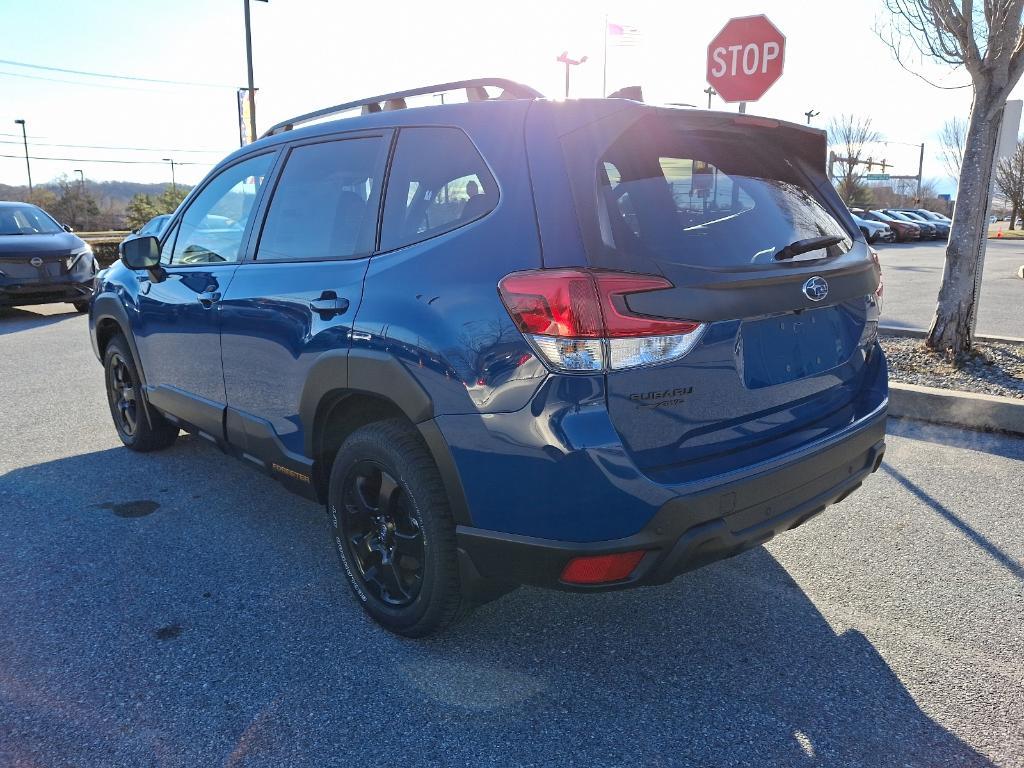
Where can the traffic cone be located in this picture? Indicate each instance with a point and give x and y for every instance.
(999, 234)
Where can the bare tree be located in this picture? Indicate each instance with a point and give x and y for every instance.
(985, 39)
(952, 137)
(1010, 181)
(849, 137)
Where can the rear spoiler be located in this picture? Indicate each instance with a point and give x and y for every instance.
(611, 117)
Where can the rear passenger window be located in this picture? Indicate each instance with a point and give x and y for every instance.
(438, 183)
(325, 204)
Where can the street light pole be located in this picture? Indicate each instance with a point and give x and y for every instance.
(920, 171)
(248, 62)
(28, 166)
(564, 58)
(710, 91)
(81, 178)
(174, 183)
(810, 113)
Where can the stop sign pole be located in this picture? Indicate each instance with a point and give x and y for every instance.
(745, 59)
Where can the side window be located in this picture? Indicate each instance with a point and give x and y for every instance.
(438, 183)
(211, 230)
(325, 203)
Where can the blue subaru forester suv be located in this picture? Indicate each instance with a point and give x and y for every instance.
(581, 344)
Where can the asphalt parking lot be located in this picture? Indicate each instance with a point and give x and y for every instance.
(178, 609)
(913, 273)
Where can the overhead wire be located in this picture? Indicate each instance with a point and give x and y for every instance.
(95, 160)
(135, 78)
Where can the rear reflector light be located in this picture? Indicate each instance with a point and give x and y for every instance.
(578, 320)
(601, 569)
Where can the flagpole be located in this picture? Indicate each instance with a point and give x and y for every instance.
(604, 67)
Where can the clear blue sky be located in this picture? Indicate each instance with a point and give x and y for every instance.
(310, 53)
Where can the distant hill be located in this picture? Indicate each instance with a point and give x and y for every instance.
(109, 194)
(105, 209)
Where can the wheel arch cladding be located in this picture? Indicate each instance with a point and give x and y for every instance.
(378, 387)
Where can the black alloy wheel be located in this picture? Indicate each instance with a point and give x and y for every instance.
(123, 395)
(382, 535)
(139, 428)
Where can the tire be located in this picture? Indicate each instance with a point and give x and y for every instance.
(81, 307)
(127, 407)
(393, 530)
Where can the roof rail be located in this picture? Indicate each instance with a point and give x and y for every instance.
(388, 101)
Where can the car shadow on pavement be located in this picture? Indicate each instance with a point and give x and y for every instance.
(177, 609)
(13, 319)
(957, 437)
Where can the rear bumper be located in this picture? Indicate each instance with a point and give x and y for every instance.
(692, 530)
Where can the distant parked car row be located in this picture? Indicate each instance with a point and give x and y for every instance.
(905, 224)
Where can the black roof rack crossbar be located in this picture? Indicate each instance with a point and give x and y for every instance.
(474, 90)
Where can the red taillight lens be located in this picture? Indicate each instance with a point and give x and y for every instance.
(601, 569)
(579, 304)
(878, 263)
(619, 321)
(555, 302)
(578, 320)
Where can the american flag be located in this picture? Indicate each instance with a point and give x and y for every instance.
(623, 35)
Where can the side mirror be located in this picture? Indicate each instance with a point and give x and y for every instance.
(141, 253)
(68, 228)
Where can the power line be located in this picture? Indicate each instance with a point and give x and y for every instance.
(126, 149)
(93, 160)
(113, 77)
(74, 82)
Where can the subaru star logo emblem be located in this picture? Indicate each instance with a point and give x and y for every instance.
(36, 261)
(816, 289)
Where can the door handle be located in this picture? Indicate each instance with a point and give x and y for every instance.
(329, 305)
(209, 298)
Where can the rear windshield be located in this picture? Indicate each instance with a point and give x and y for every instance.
(706, 199)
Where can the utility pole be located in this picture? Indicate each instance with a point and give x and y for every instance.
(28, 166)
(174, 184)
(710, 91)
(564, 58)
(248, 61)
(810, 113)
(920, 170)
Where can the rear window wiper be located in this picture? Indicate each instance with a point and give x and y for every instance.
(805, 246)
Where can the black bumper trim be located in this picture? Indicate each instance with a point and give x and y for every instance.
(690, 531)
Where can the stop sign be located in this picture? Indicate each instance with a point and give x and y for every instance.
(745, 58)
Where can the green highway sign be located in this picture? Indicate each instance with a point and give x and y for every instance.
(877, 177)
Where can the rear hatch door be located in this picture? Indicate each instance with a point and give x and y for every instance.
(736, 212)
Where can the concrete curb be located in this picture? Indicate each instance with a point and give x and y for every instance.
(919, 333)
(963, 409)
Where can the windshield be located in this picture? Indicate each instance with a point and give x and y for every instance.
(706, 200)
(901, 217)
(26, 220)
(155, 225)
(881, 216)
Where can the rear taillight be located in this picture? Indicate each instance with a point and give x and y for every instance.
(578, 320)
(880, 290)
(869, 335)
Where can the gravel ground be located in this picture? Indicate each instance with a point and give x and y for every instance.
(177, 609)
(995, 369)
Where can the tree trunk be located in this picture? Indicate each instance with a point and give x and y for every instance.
(950, 331)
(1013, 215)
